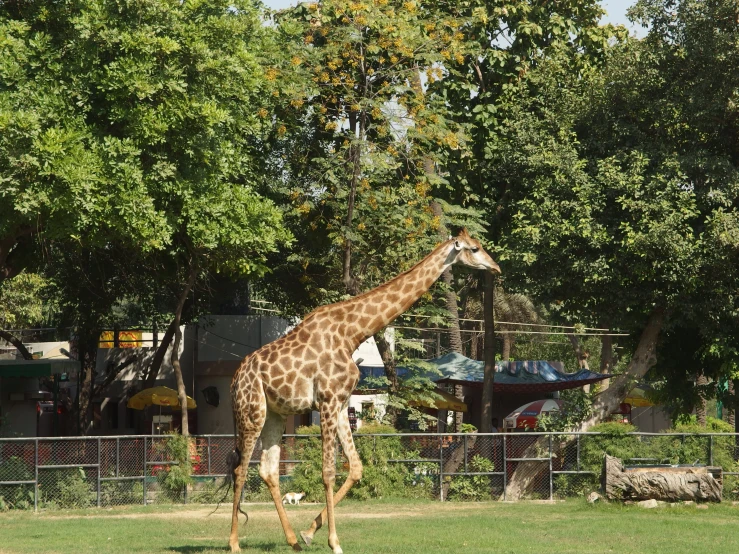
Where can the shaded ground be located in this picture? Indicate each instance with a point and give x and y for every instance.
(405, 527)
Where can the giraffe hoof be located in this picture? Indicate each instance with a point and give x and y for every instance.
(338, 550)
(296, 548)
(307, 539)
(235, 547)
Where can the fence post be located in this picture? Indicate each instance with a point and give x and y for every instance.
(465, 453)
(578, 452)
(551, 479)
(35, 485)
(144, 487)
(505, 466)
(710, 450)
(441, 468)
(208, 454)
(100, 467)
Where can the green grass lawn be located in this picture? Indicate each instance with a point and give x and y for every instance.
(407, 527)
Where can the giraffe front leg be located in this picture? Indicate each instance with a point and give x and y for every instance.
(355, 474)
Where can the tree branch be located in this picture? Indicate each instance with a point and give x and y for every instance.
(17, 343)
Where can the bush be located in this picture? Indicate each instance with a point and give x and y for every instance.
(473, 487)
(693, 448)
(15, 497)
(67, 488)
(614, 440)
(382, 477)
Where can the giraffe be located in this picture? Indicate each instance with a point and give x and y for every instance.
(311, 368)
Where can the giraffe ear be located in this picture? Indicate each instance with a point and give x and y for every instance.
(457, 245)
(464, 234)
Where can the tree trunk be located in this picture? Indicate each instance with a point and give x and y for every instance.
(606, 358)
(580, 352)
(181, 393)
(156, 362)
(731, 412)
(475, 346)
(15, 341)
(87, 345)
(391, 373)
(506, 347)
(700, 409)
(607, 402)
(486, 422)
(735, 383)
(668, 484)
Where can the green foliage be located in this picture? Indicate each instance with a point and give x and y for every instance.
(67, 488)
(691, 447)
(178, 476)
(382, 477)
(614, 440)
(576, 408)
(23, 302)
(473, 487)
(14, 468)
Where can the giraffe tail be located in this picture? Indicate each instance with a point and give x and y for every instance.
(229, 482)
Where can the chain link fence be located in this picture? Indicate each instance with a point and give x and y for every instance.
(84, 472)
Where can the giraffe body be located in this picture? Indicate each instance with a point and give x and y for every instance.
(311, 368)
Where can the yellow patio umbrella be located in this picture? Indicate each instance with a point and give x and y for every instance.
(638, 397)
(161, 396)
(446, 402)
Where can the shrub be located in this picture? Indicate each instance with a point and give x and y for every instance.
(614, 440)
(473, 487)
(15, 497)
(382, 477)
(67, 488)
(692, 448)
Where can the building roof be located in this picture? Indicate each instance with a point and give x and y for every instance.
(37, 368)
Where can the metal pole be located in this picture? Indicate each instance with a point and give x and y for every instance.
(441, 468)
(710, 450)
(578, 453)
(208, 454)
(505, 466)
(465, 453)
(35, 486)
(144, 487)
(551, 481)
(117, 455)
(99, 469)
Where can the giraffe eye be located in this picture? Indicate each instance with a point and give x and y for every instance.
(474, 249)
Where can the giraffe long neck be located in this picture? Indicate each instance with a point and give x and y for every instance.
(373, 310)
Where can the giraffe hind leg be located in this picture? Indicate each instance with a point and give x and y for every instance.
(269, 470)
(250, 417)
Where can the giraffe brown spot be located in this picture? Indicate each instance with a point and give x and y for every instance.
(284, 391)
(277, 382)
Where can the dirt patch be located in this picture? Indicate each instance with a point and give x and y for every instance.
(260, 514)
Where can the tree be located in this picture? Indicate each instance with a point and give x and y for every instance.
(366, 138)
(140, 136)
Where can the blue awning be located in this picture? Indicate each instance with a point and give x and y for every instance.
(516, 376)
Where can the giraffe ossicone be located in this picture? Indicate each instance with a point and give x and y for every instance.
(311, 368)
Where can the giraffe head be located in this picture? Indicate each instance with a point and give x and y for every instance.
(470, 253)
